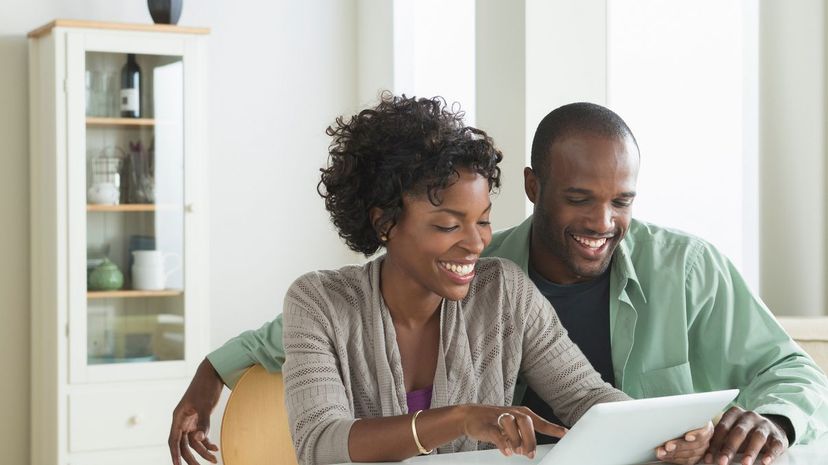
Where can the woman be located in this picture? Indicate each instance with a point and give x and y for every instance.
(420, 348)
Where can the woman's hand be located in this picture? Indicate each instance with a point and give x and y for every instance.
(191, 418)
(511, 429)
(687, 450)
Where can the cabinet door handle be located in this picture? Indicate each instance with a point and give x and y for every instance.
(135, 420)
(189, 208)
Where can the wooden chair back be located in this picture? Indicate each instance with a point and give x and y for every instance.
(254, 429)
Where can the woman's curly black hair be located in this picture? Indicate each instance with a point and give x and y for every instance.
(403, 146)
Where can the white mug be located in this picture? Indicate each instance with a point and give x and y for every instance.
(148, 271)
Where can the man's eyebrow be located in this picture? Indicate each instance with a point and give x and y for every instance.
(578, 190)
(457, 212)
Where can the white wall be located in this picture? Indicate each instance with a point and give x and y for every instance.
(280, 71)
(527, 64)
(434, 51)
(682, 93)
(14, 239)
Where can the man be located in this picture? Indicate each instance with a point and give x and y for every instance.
(657, 312)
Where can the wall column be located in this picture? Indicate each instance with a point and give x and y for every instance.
(527, 64)
(792, 167)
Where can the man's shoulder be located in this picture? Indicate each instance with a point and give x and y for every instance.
(497, 240)
(647, 244)
(512, 243)
(644, 235)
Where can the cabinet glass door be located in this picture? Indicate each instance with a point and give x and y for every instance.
(134, 211)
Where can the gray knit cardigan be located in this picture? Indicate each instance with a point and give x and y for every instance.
(342, 362)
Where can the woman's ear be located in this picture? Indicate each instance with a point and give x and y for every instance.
(376, 215)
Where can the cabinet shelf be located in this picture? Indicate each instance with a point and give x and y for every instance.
(127, 294)
(129, 207)
(129, 122)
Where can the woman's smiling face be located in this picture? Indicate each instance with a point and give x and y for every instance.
(437, 247)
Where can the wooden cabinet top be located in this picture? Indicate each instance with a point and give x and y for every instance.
(169, 28)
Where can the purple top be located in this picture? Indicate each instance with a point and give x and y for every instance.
(419, 399)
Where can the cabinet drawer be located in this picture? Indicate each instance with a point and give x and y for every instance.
(110, 419)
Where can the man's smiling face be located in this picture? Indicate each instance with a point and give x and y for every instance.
(583, 205)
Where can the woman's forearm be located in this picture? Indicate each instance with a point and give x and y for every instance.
(391, 438)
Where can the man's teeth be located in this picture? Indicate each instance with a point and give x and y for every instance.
(461, 270)
(591, 243)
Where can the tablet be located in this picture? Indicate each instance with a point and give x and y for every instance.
(628, 432)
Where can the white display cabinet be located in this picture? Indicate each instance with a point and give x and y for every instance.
(115, 335)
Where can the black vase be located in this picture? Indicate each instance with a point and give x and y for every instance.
(165, 11)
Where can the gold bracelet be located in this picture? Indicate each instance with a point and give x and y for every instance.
(420, 447)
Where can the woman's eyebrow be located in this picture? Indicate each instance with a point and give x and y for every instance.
(457, 213)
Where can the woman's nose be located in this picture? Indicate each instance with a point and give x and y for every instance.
(474, 241)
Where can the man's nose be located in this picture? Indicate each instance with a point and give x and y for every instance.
(602, 219)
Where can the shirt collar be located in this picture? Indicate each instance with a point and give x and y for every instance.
(623, 270)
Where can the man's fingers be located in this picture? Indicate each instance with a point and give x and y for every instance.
(210, 445)
(206, 440)
(721, 431)
(702, 434)
(678, 445)
(173, 442)
(773, 449)
(755, 443)
(676, 450)
(687, 450)
(197, 440)
(176, 434)
(687, 453)
(729, 435)
(708, 432)
(185, 451)
(695, 433)
(733, 443)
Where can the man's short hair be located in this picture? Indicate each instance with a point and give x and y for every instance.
(571, 119)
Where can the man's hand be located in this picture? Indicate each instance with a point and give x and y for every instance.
(191, 418)
(689, 449)
(753, 434)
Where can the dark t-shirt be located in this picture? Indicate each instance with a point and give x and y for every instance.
(584, 311)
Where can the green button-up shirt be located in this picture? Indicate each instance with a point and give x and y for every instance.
(682, 320)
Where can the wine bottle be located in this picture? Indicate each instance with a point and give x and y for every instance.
(131, 88)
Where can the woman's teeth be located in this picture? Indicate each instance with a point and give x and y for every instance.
(461, 270)
(591, 243)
